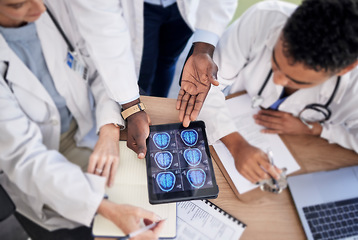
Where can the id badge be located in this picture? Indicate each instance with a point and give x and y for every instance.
(76, 65)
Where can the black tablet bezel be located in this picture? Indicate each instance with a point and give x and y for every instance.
(187, 195)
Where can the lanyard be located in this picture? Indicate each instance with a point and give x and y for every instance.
(70, 46)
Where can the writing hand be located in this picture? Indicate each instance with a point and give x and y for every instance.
(105, 156)
(198, 74)
(251, 162)
(284, 123)
(128, 218)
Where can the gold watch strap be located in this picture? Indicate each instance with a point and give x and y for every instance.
(132, 110)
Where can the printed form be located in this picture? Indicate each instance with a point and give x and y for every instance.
(200, 220)
(251, 132)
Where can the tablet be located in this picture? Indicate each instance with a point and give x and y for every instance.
(179, 166)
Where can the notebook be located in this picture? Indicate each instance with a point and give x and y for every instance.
(130, 187)
(327, 203)
(201, 219)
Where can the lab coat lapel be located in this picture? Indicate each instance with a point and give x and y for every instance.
(53, 47)
(19, 75)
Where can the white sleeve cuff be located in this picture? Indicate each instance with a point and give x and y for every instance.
(205, 36)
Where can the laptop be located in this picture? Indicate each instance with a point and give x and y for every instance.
(327, 203)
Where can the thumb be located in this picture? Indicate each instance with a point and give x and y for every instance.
(213, 77)
(141, 147)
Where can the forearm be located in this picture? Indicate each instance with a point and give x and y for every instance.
(234, 142)
(110, 131)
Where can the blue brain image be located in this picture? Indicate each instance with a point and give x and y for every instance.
(161, 140)
(196, 177)
(192, 156)
(166, 181)
(163, 159)
(189, 137)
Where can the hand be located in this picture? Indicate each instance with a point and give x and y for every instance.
(105, 156)
(128, 218)
(138, 132)
(251, 162)
(284, 123)
(198, 73)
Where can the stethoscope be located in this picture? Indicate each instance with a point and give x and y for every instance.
(324, 110)
(69, 45)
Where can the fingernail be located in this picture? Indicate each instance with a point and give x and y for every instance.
(141, 155)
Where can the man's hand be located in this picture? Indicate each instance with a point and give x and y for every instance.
(128, 218)
(105, 156)
(284, 123)
(198, 74)
(138, 130)
(251, 162)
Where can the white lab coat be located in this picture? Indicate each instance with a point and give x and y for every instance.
(113, 27)
(45, 186)
(243, 56)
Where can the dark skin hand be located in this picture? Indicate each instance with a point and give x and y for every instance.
(138, 130)
(284, 123)
(251, 162)
(198, 74)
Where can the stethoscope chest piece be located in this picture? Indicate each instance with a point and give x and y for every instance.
(256, 101)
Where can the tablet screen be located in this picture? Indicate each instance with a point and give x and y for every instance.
(179, 166)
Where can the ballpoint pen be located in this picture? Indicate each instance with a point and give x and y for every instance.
(141, 230)
(270, 157)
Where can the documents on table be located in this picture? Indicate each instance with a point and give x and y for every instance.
(130, 187)
(200, 219)
(251, 132)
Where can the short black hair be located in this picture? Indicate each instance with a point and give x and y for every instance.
(322, 34)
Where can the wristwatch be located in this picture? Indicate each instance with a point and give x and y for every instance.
(132, 110)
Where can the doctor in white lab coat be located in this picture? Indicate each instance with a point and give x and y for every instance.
(47, 188)
(118, 19)
(253, 45)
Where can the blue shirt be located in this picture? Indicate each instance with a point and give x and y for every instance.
(25, 42)
(280, 100)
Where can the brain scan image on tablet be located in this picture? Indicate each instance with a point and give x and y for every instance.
(161, 140)
(189, 137)
(163, 159)
(196, 177)
(178, 162)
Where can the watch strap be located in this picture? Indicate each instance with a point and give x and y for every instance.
(132, 110)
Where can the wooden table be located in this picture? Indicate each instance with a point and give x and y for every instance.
(267, 215)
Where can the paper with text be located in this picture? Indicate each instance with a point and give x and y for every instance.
(130, 187)
(242, 112)
(198, 220)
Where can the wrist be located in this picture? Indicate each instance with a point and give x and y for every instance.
(105, 209)
(316, 130)
(130, 104)
(201, 47)
(234, 142)
(134, 109)
(110, 131)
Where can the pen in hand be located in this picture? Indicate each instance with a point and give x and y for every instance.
(142, 230)
(270, 157)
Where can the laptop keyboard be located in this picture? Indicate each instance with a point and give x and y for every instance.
(334, 220)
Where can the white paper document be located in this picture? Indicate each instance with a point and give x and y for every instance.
(201, 220)
(242, 112)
